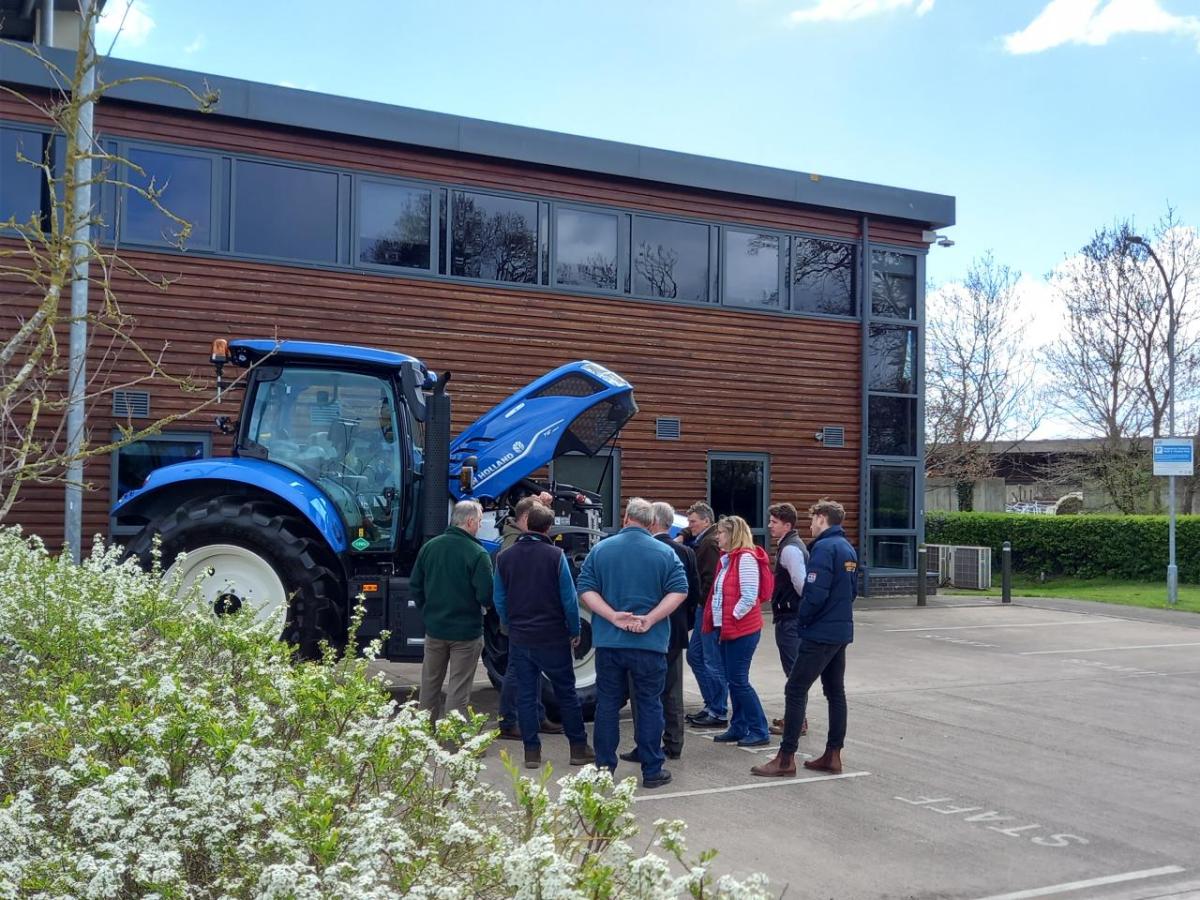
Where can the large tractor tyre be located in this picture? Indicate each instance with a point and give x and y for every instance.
(495, 661)
(255, 555)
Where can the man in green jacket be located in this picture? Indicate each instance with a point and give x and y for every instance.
(451, 584)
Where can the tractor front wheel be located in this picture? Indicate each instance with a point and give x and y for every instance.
(250, 554)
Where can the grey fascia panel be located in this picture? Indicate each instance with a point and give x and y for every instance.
(276, 105)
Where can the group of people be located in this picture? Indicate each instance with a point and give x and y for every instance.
(646, 591)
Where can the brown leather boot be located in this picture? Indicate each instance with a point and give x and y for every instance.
(582, 754)
(829, 761)
(782, 766)
(533, 758)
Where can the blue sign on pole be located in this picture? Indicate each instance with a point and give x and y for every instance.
(1173, 456)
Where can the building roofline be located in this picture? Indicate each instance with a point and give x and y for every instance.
(276, 105)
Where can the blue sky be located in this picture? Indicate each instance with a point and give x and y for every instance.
(1045, 118)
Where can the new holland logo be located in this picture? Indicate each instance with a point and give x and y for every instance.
(518, 446)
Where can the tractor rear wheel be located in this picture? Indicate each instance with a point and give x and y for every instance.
(253, 555)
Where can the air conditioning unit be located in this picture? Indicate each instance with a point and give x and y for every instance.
(971, 567)
(940, 559)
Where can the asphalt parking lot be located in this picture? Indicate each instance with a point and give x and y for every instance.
(1032, 750)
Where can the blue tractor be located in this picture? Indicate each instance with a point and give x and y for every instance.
(342, 466)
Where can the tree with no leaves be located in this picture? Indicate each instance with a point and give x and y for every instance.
(38, 264)
(980, 385)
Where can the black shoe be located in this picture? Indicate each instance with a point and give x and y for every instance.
(631, 756)
(663, 777)
(726, 738)
(761, 742)
(709, 721)
(692, 717)
(672, 754)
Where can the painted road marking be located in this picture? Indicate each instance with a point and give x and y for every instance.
(765, 783)
(947, 806)
(1014, 625)
(1108, 649)
(945, 638)
(1091, 882)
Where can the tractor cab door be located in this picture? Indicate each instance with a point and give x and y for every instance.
(341, 430)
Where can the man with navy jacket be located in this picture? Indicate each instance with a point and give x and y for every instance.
(826, 619)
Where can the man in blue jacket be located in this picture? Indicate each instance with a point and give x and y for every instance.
(632, 582)
(826, 626)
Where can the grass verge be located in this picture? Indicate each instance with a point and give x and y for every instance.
(1150, 594)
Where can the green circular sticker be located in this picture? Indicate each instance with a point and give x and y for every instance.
(361, 543)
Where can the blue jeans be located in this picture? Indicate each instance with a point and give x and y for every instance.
(704, 658)
(747, 721)
(616, 669)
(508, 698)
(557, 663)
(787, 639)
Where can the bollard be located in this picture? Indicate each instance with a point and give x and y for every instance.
(1006, 573)
(922, 574)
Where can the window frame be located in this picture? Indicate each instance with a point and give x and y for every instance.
(341, 203)
(435, 214)
(741, 456)
(785, 246)
(712, 275)
(612, 455)
(541, 222)
(856, 294)
(29, 127)
(217, 191)
(918, 290)
(623, 261)
(204, 438)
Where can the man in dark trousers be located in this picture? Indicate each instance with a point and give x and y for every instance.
(535, 598)
(826, 628)
(681, 618)
(791, 561)
(703, 651)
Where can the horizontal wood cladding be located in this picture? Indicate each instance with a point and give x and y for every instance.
(738, 381)
(115, 118)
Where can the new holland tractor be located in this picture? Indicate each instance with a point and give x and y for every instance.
(342, 466)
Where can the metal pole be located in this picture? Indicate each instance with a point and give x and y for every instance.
(922, 574)
(1172, 568)
(80, 253)
(1006, 573)
(47, 20)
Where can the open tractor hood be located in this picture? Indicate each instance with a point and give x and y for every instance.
(579, 407)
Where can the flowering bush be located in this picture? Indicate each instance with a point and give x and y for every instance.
(149, 749)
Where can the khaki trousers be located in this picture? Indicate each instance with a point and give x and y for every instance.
(456, 659)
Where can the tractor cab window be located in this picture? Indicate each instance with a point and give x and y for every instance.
(339, 430)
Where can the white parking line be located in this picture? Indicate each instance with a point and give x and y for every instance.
(765, 783)
(1014, 625)
(1091, 882)
(1107, 649)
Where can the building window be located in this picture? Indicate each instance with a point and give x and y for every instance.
(893, 284)
(892, 359)
(752, 268)
(738, 486)
(891, 498)
(600, 474)
(585, 249)
(892, 426)
(394, 225)
(24, 191)
(495, 238)
(823, 276)
(184, 184)
(133, 463)
(670, 259)
(893, 551)
(284, 211)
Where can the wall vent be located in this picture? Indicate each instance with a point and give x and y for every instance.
(131, 404)
(667, 428)
(832, 436)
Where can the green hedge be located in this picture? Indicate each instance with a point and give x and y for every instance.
(1087, 546)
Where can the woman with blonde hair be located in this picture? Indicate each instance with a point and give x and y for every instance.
(733, 610)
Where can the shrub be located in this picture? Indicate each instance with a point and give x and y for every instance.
(151, 750)
(1083, 546)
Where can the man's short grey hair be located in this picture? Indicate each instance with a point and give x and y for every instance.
(465, 511)
(664, 514)
(638, 510)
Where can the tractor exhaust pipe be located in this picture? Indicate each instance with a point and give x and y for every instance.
(435, 492)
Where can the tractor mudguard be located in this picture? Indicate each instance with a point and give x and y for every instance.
(164, 485)
(578, 407)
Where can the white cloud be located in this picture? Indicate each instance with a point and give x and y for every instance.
(131, 20)
(1095, 23)
(848, 10)
(196, 46)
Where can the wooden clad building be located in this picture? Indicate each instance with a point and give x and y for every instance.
(770, 321)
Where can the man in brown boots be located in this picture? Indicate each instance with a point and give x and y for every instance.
(826, 620)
